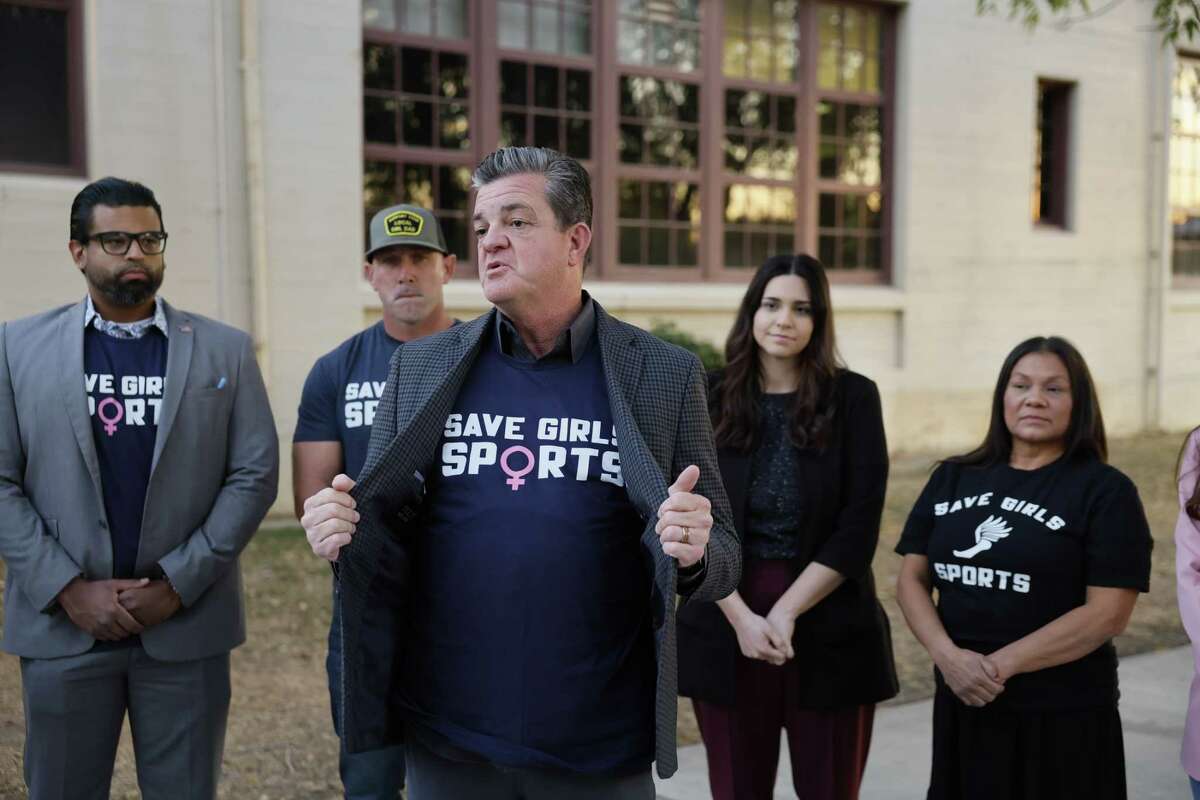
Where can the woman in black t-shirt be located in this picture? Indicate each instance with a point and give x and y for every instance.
(803, 645)
(1037, 549)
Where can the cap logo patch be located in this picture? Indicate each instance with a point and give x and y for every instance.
(403, 223)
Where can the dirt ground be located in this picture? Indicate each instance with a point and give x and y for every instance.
(280, 742)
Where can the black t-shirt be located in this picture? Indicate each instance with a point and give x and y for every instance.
(1011, 550)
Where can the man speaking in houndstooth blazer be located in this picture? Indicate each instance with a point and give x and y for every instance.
(540, 483)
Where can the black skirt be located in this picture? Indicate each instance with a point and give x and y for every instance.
(996, 753)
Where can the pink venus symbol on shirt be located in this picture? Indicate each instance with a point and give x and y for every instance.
(110, 422)
(514, 476)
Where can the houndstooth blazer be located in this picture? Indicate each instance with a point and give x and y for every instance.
(657, 396)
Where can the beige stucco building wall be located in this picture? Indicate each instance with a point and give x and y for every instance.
(977, 275)
(253, 145)
(166, 87)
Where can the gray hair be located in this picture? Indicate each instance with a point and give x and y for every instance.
(568, 187)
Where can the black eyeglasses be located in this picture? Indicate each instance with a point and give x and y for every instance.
(117, 243)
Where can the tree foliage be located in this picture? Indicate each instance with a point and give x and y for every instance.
(1176, 19)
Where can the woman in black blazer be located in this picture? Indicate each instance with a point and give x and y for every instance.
(803, 645)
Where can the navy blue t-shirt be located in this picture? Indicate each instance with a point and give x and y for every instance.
(124, 380)
(342, 392)
(529, 639)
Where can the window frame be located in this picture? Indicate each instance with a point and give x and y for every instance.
(1059, 215)
(401, 154)
(644, 172)
(397, 11)
(1180, 280)
(807, 183)
(646, 19)
(434, 100)
(487, 78)
(563, 7)
(76, 165)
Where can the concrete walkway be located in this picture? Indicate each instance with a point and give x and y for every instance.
(1154, 690)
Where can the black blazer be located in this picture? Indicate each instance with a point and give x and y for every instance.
(843, 644)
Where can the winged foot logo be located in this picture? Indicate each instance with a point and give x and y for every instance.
(988, 532)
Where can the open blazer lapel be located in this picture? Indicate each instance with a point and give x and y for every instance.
(74, 393)
(625, 367)
(423, 383)
(179, 360)
(644, 479)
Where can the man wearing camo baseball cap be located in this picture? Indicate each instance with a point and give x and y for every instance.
(407, 264)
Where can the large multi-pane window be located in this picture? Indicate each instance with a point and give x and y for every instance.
(546, 106)
(716, 134)
(419, 114)
(850, 138)
(658, 135)
(658, 180)
(659, 122)
(659, 33)
(849, 172)
(41, 87)
(546, 26)
(1185, 170)
(658, 222)
(759, 222)
(443, 189)
(415, 96)
(760, 135)
(442, 18)
(762, 40)
(850, 41)
(803, 144)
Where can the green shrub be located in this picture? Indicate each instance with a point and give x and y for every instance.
(710, 356)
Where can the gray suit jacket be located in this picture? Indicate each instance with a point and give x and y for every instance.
(657, 395)
(214, 475)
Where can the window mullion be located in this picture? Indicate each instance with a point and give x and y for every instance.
(605, 101)
(712, 159)
(807, 135)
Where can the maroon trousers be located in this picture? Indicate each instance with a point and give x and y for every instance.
(828, 749)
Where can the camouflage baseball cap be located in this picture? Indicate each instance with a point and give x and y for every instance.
(406, 225)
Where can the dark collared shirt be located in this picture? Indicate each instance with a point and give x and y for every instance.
(569, 345)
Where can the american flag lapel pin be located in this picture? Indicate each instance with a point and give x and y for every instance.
(185, 328)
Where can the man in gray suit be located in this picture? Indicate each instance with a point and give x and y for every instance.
(539, 485)
(137, 457)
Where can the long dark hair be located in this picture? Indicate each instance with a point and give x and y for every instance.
(1085, 434)
(1192, 506)
(735, 405)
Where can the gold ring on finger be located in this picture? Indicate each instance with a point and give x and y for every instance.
(687, 534)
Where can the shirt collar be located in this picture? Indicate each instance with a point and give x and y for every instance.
(569, 345)
(126, 330)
